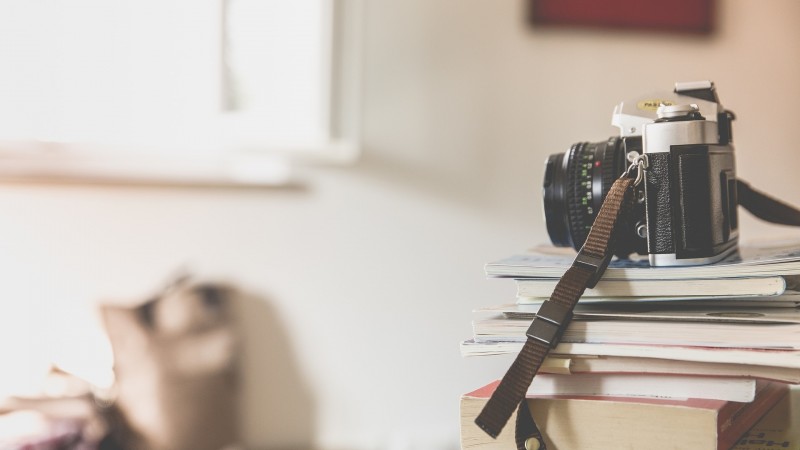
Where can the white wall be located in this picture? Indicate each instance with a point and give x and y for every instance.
(368, 275)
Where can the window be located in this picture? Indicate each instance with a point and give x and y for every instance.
(176, 90)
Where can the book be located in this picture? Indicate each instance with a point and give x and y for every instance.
(779, 429)
(776, 336)
(571, 422)
(717, 287)
(736, 389)
(763, 261)
(659, 311)
(789, 299)
(783, 361)
(585, 364)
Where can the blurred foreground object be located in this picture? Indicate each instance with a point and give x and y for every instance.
(175, 369)
(175, 365)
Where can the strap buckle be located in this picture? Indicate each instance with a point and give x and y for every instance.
(597, 265)
(549, 323)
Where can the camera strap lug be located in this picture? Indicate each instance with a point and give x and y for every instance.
(640, 163)
(555, 314)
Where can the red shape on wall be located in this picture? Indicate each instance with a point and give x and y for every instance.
(695, 16)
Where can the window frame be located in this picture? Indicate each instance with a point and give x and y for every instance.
(237, 163)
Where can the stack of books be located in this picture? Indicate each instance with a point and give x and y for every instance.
(655, 357)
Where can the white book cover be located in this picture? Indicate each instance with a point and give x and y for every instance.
(775, 336)
(719, 287)
(658, 311)
(754, 261)
(784, 359)
(603, 365)
(647, 386)
(789, 299)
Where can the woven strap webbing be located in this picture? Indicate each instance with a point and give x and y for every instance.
(552, 319)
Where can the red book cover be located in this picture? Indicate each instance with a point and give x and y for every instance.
(733, 418)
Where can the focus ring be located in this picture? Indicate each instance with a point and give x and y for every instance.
(609, 167)
(578, 222)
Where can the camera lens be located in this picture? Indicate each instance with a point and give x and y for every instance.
(577, 182)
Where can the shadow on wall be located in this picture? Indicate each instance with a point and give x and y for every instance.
(277, 409)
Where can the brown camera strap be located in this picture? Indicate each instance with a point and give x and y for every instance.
(551, 320)
(765, 207)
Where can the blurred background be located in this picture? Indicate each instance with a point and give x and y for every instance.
(362, 271)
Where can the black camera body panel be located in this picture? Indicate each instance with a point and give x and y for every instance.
(691, 201)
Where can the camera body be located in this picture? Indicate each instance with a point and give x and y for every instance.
(686, 208)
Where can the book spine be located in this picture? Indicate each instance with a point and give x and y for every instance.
(736, 418)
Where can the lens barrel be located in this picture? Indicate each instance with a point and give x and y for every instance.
(576, 183)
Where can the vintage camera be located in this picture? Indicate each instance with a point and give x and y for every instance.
(685, 213)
